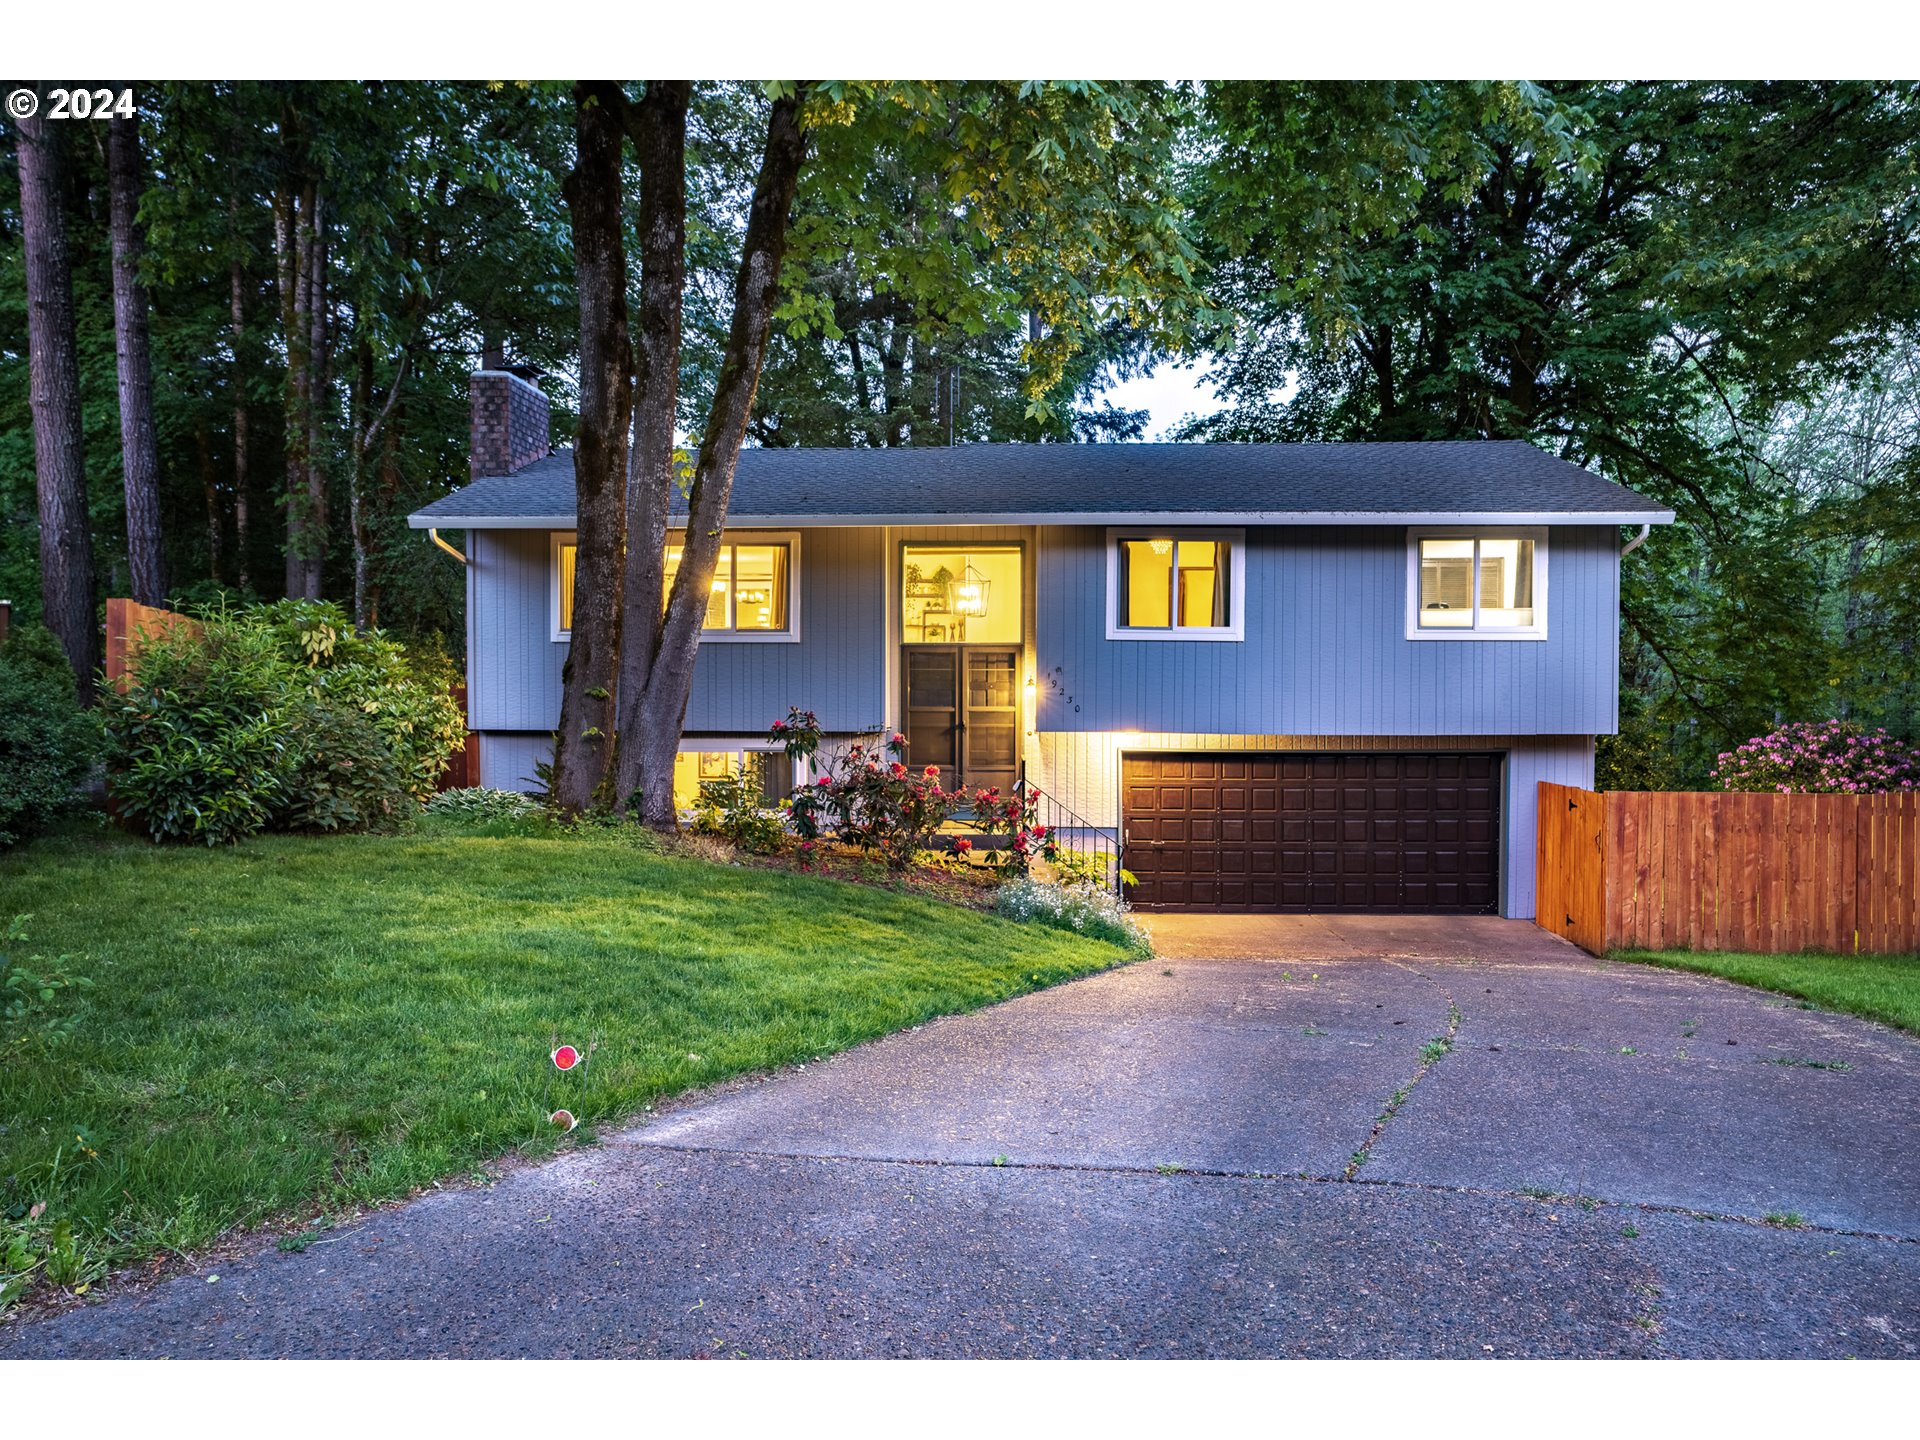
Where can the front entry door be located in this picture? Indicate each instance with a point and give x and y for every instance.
(962, 708)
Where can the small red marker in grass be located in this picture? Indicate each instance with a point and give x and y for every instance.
(563, 1118)
(565, 1058)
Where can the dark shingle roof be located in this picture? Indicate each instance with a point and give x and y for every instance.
(1384, 483)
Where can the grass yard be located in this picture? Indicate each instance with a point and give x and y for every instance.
(295, 1025)
(1879, 987)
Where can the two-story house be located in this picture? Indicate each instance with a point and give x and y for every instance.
(1289, 677)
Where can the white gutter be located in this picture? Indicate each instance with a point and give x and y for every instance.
(423, 520)
(1637, 541)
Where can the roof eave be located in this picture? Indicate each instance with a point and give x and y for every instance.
(425, 519)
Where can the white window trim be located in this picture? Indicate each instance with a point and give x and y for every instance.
(1535, 533)
(1236, 584)
(789, 538)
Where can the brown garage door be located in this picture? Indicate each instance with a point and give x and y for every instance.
(1309, 833)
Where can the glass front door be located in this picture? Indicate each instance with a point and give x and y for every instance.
(962, 708)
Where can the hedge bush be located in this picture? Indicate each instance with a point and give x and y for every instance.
(277, 717)
(48, 744)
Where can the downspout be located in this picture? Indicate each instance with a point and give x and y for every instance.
(434, 535)
(1637, 541)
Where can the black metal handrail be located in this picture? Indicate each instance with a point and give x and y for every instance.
(1076, 833)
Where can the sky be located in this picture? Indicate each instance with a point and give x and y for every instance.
(1169, 393)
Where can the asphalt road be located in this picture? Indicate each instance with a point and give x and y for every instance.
(1183, 1158)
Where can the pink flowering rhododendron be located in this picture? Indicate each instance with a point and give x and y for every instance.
(1820, 757)
(870, 799)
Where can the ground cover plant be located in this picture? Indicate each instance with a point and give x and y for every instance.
(293, 1024)
(1878, 987)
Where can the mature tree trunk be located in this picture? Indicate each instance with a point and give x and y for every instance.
(210, 489)
(893, 369)
(66, 548)
(242, 378)
(359, 520)
(320, 374)
(663, 705)
(139, 452)
(583, 748)
(659, 126)
(290, 249)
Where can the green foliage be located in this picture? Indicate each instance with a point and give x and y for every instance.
(1096, 913)
(735, 809)
(33, 992)
(1706, 291)
(344, 773)
(477, 805)
(48, 744)
(277, 716)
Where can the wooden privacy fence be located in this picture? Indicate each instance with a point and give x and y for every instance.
(127, 622)
(1639, 870)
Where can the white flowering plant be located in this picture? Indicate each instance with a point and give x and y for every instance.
(1084, 909)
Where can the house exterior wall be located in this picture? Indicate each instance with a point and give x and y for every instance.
(838, 667)
(1325, 649)
(1325, 663)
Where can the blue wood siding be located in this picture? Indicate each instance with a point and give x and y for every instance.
(837, 668)
(1325, 649)
(513, 666)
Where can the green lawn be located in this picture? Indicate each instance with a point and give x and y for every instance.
(297, 1024)
(1880, 987)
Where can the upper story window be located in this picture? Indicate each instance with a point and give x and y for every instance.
(753, 597)
(1477, 585)
(954, 595)
(1175, 584)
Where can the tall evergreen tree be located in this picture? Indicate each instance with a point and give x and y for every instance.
(66, 544)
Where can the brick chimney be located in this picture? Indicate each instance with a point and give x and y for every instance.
(510, 422)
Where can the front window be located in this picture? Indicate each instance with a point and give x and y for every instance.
(751, 597)
(1478, 585)
(968, 596)
(1181, 585)
(749, 590)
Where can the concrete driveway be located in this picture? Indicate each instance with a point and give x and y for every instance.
(1285, 1137)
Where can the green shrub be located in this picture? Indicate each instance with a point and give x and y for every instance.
(477, 805)
(735, 809)
(345, 775)
(277, 717)
(48, 744)
(1086, 911)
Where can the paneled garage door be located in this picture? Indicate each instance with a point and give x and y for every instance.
(1369, 831)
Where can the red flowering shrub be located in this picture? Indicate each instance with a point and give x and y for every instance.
(798, 734)
(868, 798)
(1816, 757)
(1018, 818)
